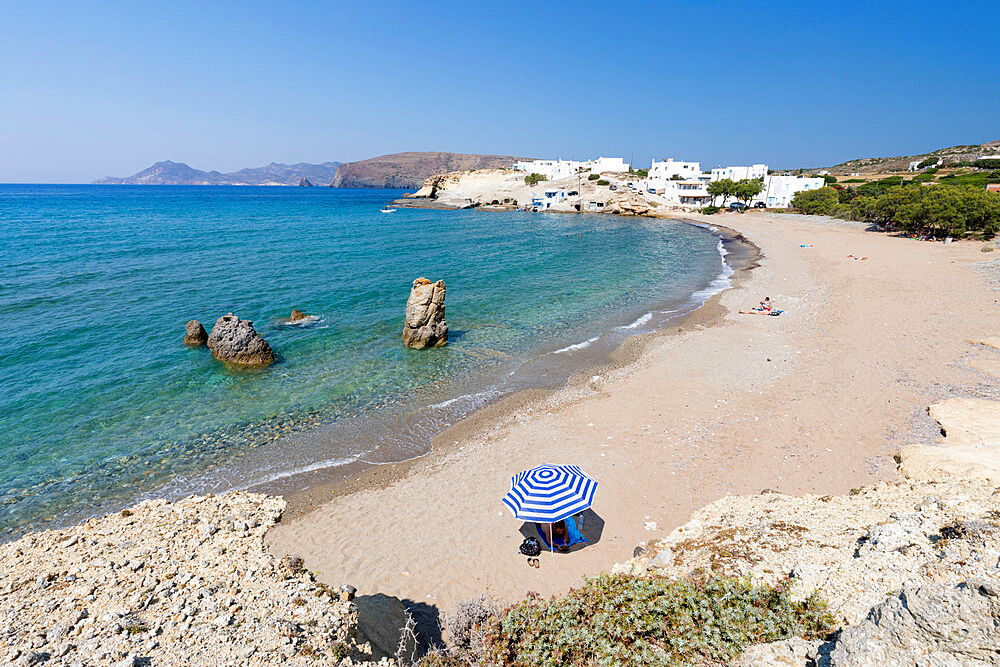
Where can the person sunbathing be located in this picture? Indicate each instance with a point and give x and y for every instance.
(561, 534)
(764, 309)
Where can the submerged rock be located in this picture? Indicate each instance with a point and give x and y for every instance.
(234, 341)
(425, 326)
(195, 334)
(297, 316)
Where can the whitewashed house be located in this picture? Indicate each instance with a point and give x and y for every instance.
(779, 190)
(739, 173)
(666, 171)
(603, 164)
(551, 169)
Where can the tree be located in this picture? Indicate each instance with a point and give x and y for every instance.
(816, 202)
(748, 188)
(724, 188)
(534, 179)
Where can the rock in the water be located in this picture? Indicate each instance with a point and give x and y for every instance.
(425, 325)
(305, 183)
(195, 334)
(297, 316)
(926, 624)
(234, 341)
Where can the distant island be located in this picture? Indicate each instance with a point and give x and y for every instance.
(178, 173)
(398, 170)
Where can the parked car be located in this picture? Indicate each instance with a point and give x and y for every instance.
(760, 204)
(612, 187)
(737, 206)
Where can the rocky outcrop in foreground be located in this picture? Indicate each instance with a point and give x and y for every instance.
(425, 325)
(195, 334)
(234, 341)
(185, 583)
(931, 542)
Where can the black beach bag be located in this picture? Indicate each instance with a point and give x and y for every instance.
(530, 547)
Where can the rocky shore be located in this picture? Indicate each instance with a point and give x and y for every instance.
(910, 568)
(185, 583)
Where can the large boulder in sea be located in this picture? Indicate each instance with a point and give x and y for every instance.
(297, 316)
(195, 334)
(234, 341)
(425, 325)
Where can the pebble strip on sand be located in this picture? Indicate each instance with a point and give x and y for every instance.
(185, 583)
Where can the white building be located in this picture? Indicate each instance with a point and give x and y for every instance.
(687, 192)
(663, 173)
(739, 173)
(551, 169)
(603, 164)
(548, 199)
(779, 190)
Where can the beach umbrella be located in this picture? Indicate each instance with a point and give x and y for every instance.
(549, 493)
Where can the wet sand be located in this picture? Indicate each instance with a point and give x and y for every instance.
(816, 400)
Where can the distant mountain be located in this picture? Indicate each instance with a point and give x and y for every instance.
(408, 170)
(951, 155)
(276, 173)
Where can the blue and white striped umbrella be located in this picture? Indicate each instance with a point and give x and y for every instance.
(548, 493)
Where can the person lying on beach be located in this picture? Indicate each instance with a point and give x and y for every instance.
(764, 309)
(562, 534)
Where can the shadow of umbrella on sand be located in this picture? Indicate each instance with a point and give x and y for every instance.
(549, 494)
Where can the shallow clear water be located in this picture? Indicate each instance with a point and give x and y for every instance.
(100, 402)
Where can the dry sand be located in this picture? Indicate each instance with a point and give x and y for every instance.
(816, 400)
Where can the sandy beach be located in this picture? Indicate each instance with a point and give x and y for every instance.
(814, 401)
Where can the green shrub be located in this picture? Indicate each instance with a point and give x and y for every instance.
(534, 179)
(830, 179)
(710, 210)
(593, 177)
(626, 619)
(855, 180)
(928, 162)
(816, 202)
(603, 182)
(642, 173)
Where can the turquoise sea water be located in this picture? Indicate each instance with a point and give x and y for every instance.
(100, 403)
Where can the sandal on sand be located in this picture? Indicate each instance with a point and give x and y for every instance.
(533, 562)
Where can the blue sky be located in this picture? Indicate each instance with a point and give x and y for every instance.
(95, 89)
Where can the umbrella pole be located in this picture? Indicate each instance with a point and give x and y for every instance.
(552, 537)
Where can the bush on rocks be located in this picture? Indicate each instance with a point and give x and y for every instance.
(629, 619)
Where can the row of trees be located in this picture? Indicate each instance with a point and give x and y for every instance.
(938, 210)
(743, 190)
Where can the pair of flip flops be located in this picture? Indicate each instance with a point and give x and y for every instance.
(533, 562)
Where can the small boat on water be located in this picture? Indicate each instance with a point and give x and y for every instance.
(386, 209)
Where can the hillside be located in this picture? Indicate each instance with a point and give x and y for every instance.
(178, 173)
(879, 165)
(409, 170)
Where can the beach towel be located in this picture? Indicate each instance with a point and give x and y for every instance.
(572, 534)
